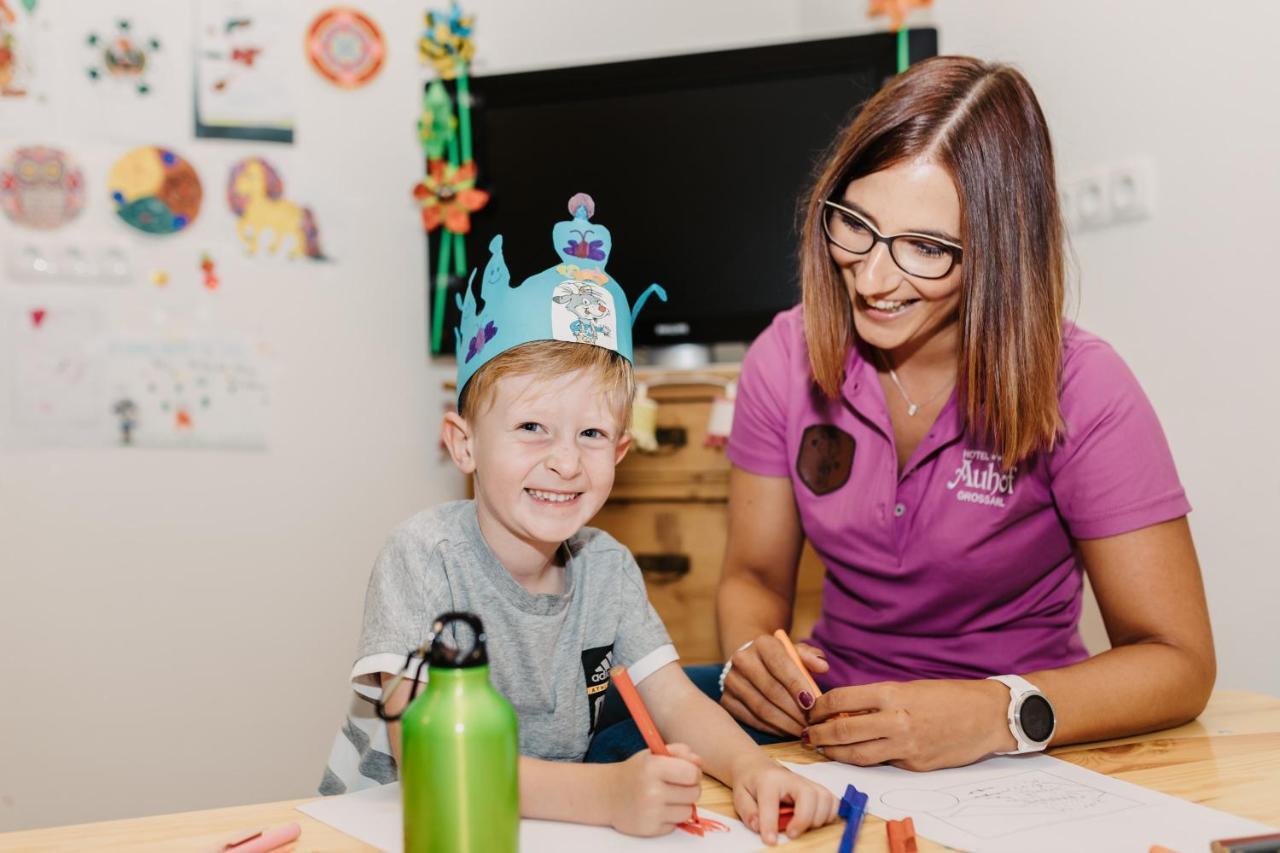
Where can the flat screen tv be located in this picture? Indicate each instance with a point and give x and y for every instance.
(696, 164)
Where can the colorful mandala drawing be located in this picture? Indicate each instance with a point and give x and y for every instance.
(41, 187)
(155, 190)
(346, 46)
(122, 56)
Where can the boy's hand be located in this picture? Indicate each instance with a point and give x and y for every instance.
(760, 786)
(653, 793)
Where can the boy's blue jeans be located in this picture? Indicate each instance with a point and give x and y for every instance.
(618, 739)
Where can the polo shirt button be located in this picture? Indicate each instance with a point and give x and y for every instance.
(899, 510)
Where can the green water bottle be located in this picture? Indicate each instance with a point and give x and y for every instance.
(459, 754)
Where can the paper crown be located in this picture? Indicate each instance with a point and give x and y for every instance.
(575, 300)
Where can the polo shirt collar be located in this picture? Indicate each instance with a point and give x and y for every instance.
(862, 391)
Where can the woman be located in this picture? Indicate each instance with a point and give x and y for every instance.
(958, 454)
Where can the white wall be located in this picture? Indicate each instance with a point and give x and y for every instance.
(1188, 297)
(176, 626)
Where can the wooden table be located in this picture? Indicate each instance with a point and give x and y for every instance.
(1228, 759)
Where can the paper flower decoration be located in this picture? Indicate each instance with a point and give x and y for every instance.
(438, 122)
(897, 10)
(448, 195)
(446, 42)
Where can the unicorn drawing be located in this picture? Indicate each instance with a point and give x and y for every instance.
(256, 195)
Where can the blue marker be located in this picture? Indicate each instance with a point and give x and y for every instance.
(853, 805)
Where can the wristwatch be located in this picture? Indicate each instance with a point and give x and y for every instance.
(1031, 716)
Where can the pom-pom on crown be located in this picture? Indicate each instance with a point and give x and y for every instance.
(582, 200)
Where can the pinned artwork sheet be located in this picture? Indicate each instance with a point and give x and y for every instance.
(373, 816)
(1012, 804)
(243, 71)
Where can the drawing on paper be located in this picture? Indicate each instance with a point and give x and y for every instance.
(1010, 804)
(243, 84)
(255, 193)
(155, 190)
(122, 56)
(209, 393)
(56, 373)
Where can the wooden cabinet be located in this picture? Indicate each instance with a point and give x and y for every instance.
(670, 508)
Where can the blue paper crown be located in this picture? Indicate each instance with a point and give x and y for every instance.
(574, 300)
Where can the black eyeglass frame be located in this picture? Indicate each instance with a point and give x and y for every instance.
(955, 250)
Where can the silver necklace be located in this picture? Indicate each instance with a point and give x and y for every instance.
(912, 408)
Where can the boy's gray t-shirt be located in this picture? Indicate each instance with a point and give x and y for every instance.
(549, 655)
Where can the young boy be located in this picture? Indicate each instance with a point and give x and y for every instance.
(545, 388)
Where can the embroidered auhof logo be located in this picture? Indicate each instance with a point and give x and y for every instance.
(980, 480)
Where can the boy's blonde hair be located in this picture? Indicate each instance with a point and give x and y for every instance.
(550, 360)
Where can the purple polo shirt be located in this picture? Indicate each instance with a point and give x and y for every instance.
(953, 569)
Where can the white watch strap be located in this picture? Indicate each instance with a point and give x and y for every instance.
(1018, 688)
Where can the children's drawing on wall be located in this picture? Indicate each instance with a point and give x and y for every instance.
(155, 190)
(55, 373)
(41, 187)
(121, 57)
(242, 71)
(194, 393)
(25, 62)
(346, 47)
(16, 54)
(209, 272)
(255, 192)
(127, 75)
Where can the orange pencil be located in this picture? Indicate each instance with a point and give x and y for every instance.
(639, 713)
(795, 658)
(902, 835)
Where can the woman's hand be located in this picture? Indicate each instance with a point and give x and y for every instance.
(765, 690)
(760, 787)
(915, 725)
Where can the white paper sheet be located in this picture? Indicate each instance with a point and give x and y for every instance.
(1031, 802)
(373, 816)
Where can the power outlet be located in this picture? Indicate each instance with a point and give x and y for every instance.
(1131, 190)
(1108, 195)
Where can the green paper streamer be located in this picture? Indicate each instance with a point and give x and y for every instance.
(460, 255)
(453, 149)
(464, 110)
(442, 286)
(904, 60)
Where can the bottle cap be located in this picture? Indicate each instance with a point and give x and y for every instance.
(448, 657)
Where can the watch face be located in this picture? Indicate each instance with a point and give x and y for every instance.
(1036, 718)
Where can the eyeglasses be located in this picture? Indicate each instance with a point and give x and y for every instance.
(915, 254)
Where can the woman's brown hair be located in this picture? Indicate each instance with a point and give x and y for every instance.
(982, 123)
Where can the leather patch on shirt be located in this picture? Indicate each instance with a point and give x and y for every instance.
(595, 667)
(825, 459)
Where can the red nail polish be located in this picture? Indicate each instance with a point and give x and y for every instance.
(806, 699)
(804, 736)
